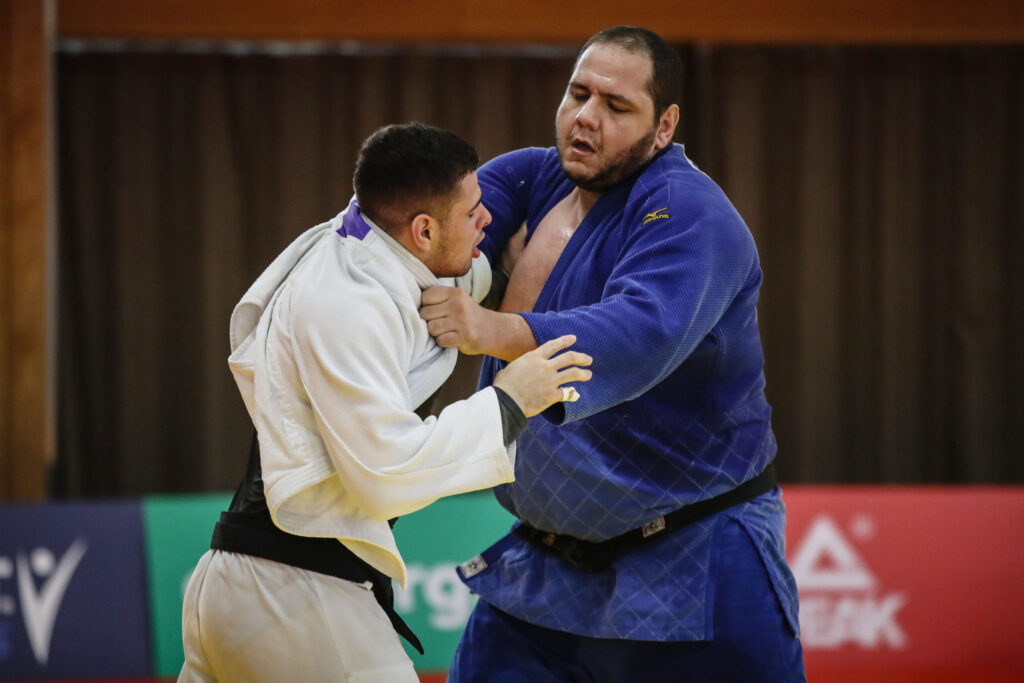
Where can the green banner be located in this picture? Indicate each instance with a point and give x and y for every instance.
(177, 530)
(433, 542)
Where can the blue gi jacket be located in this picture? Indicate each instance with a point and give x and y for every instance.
(659, 284)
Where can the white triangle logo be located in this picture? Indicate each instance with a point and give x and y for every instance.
(40, 607)
(826, 561)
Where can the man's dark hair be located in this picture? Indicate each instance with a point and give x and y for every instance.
(666, 84)
(407, 169)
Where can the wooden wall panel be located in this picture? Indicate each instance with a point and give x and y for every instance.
(26, 439)
(572, 21)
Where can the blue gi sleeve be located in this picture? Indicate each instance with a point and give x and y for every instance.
(685, 257)
(506, 183)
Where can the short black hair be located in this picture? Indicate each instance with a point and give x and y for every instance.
(666, 83)
(411, 168)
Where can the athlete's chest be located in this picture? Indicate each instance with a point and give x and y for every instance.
(540, 255)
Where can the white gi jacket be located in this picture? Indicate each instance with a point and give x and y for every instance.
(331, 358)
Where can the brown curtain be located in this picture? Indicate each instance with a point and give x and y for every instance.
(884, 187)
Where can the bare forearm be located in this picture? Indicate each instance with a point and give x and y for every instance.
(454, 319)
(503, 335)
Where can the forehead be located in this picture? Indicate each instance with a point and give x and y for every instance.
(611, 69)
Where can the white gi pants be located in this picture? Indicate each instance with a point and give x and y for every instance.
(250, 619)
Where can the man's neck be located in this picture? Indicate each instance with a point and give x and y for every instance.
(582, 201)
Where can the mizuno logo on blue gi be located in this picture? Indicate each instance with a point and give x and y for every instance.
(656, 215)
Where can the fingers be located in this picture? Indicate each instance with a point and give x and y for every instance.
(448, 340)
(435, 304)
(444, 332)
(574, 374)
(572, 358)
(439, 326)
(536, 380)
(440, 302)
(571, 368)
(550, 348)
(436, 295)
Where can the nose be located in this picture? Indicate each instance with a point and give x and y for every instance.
(485, 217)
(586, 115)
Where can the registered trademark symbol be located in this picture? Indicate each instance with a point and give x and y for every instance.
(862, 528)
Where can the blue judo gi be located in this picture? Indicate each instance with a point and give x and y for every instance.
(659, 283)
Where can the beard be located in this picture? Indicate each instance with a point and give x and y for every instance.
(441, 264)
(625, 164)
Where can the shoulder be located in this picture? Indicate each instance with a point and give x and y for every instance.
(673, 174)
(525, 158)
(519, 165)
(345, 284)
(675, 191)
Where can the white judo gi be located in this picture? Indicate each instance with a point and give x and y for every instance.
(331, 358)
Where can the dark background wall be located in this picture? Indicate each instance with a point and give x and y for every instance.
(883, 186)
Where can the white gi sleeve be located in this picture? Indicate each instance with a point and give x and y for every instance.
(353, 349)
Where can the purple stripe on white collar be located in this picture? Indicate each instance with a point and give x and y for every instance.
(352, 223)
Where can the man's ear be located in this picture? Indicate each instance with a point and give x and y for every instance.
(666, 127)
(423, 232)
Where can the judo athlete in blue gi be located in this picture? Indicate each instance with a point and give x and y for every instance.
(650, 543)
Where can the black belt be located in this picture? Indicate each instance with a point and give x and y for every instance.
(255, 534)
(595, 556)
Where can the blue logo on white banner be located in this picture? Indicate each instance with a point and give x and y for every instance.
(72, 591)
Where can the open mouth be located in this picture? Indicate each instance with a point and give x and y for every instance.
(583, 147)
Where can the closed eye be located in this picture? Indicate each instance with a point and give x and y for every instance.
(472, 212)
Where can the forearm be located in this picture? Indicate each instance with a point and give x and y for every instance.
(455, 320)
(393, 463)
(502, 335)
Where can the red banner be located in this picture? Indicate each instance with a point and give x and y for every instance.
(909, 583)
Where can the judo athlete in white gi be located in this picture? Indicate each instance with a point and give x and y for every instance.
(332, 360)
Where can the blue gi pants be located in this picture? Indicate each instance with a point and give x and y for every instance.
(752, 640)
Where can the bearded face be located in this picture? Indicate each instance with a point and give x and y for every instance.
(605, 127)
